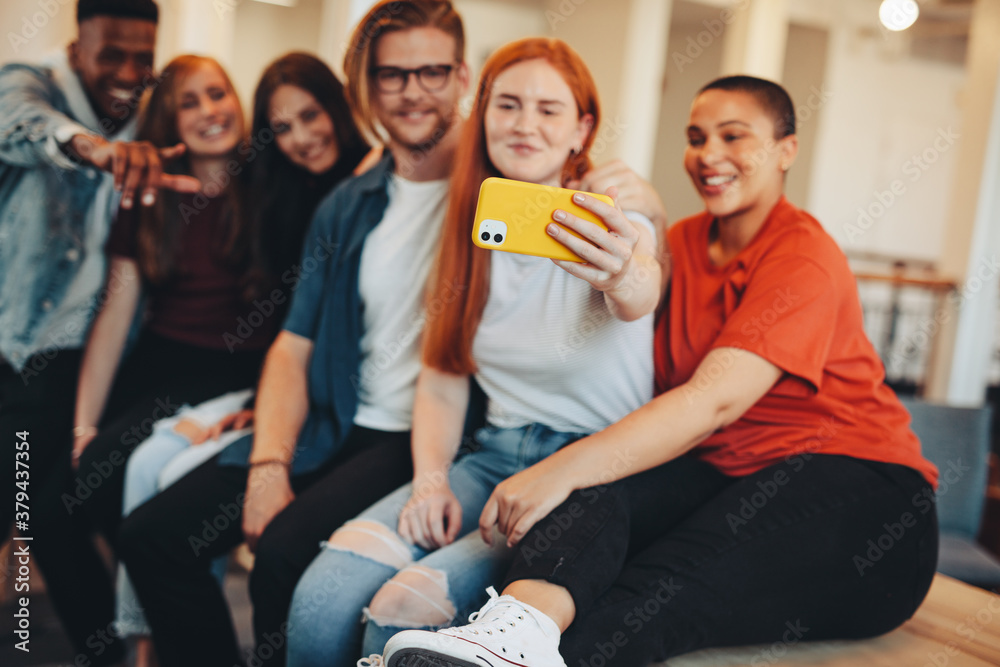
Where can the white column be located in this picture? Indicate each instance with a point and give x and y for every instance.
(756, 38)
(643, 63)
(624, 43)
(972, 241)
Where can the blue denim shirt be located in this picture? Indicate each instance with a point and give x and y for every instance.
(54, 213)
(327, 309)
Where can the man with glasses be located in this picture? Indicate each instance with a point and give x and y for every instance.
(335, 399)
(432, 78)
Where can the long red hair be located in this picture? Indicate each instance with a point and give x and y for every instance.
(459, 284)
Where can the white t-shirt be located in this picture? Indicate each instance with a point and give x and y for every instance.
(549, 351)
(395, 263)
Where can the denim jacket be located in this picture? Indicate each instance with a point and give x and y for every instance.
(327, 309)
(54, 213)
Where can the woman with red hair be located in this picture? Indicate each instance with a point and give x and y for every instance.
(560, 349)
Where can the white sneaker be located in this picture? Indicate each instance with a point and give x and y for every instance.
(505, 632)
(374, 660)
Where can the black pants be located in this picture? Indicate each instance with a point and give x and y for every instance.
(41, 401)
(169, 542)
(158, 377)
(681, 557)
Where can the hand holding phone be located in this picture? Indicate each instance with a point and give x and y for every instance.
(594, 241)
(512, 216)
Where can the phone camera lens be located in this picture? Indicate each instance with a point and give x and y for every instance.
(485, 236)
(498, 238)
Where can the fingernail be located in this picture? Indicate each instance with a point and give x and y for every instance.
(578, 198)
(552, 230)
(148, 199)
(559, 214)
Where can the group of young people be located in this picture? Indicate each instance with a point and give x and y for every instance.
(681, 441)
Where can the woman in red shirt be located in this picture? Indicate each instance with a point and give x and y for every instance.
(772, 491)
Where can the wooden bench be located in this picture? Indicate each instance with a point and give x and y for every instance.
(957, 626)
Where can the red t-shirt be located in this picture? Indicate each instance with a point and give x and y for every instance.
(789, 297)
(202, 304)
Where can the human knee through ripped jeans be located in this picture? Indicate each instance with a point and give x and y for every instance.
(367, 583)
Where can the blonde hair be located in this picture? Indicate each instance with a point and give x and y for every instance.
(385, 17)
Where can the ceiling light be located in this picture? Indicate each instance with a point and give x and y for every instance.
(898, 15)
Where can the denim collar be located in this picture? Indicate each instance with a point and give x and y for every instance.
(377, 177)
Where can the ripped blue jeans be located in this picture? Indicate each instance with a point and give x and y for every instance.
(329, 623)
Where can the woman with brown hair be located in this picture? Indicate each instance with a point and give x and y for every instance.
(331, 420)
(189, 254)
(303, 143)
(560, 350)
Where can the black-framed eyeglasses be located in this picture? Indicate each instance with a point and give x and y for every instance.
(431, 78)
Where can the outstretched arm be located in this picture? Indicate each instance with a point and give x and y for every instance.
(634, 192)
(137, 166)
(622, 262)
(725, 385)
(34, 133)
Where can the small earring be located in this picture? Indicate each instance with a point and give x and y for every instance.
(576, 150)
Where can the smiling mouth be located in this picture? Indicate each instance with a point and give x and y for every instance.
(214, 130)
(121, 94)
(413, 115)
(715, 181)
(313, 154)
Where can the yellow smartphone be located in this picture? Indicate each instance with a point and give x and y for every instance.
(512, 216)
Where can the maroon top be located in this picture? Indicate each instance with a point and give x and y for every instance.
(202, 303)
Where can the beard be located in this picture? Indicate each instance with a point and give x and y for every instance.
(444, 123)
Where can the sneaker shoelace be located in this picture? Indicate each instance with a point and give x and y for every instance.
(374, 660)
(498, 616)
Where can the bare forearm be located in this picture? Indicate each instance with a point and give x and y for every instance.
(639, 292)
(282, 402)
(658, 432)
(726, 384)
(105, 345)
(438, 415)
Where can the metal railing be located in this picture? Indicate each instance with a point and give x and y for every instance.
(903, 310)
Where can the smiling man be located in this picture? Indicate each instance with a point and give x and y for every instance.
(113, 59)
(334, 403)
(62, 126)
